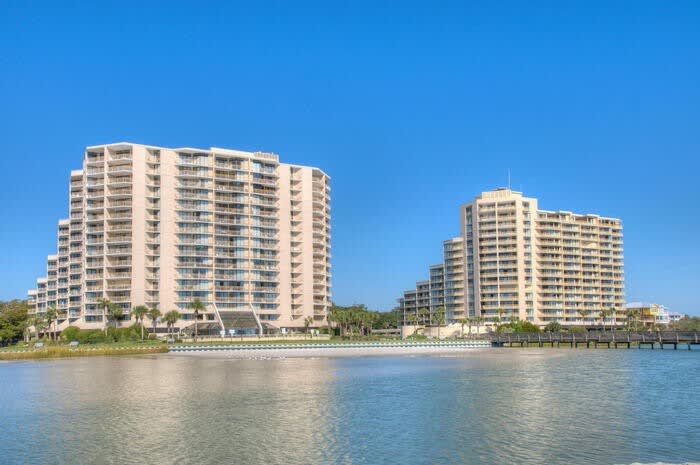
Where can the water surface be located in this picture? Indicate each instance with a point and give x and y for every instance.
(525, 406)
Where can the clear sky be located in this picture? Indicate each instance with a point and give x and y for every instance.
(411, 107)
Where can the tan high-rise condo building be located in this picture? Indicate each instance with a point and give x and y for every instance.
(245, 234)
(514, 261)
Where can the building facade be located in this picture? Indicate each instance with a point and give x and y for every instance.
(240, 231)
(649, 314)
(514, 261)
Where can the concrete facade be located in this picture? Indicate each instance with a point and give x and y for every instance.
(161, 227)
(514, 261)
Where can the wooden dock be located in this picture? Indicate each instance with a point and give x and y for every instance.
(594, 339)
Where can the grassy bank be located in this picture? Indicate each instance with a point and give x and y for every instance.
(88, 350)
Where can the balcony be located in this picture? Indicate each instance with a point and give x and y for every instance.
(121, 168)
(119, 251)
(119, 192)
(231, 176)
(119, 181)
(120, 215)
(120, 155)
(119, 275)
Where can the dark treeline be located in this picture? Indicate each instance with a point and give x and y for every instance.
(14, 321)
(358, 320)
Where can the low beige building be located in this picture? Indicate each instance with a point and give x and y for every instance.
(240, 231)
(515, 261)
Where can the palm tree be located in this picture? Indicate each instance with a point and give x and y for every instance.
(196, 306)
(51, 316)
(583, 313)
(334, 317)
(114, 313)
(439, 316)
(499, 316)
(170, 319)
(138, 313)
(153, 315)
(613, 314)
(602, 314)
(500, 312)
(414, 318)
(105, 304)
(605, 314)
(470, 322)
(632, 317)
(462, 323)
(307, 322)
(424, 313)
(478, 320)
(39, 325)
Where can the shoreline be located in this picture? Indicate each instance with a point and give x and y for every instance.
(325, 352)
(59, 352)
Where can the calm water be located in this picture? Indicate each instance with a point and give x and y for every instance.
(489, 407)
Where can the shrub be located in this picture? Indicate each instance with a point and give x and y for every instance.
(71, 333)
(130, 333)
(91, 336)
(553, 327)
(688, 323)
(518, 326)
(577, 329)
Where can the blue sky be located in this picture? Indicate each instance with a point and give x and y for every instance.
(411, 107)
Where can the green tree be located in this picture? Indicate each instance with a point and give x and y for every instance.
(14, 320)
(462, 323)
(51, 316)
(386, 320)
(114, 313)
(553, 327)
(40, 325)
(518, 326)
(415, 320)
(439, 318)
(612, 314)
(602, 314)
(197, 307)
(170, 319)
(425, 315)
(139, 312)
(334, 318)
(105, 304)
(633, 316)
(478, 320)
(583, 313)
(153, 315)
(500, 312)
(607, 313)
(307, 323)
(687, 323)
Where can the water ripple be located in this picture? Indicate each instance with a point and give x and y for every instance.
(549, 406)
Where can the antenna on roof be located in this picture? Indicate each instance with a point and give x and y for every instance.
(508, 178)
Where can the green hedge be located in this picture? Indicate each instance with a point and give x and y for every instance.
(518, 326)
(96, 336)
